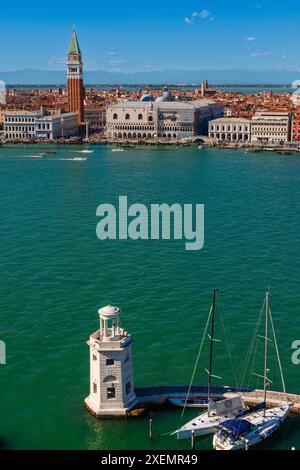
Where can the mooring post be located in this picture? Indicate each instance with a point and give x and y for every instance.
(193, 439)
(150, 426)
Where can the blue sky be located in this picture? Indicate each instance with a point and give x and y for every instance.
(134, 36)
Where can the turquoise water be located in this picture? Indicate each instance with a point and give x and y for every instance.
(55, 273)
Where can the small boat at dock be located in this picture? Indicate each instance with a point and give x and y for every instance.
(190, 403)
(251, 150)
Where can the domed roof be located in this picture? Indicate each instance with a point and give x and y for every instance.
(109, 312)
(147, 97)
(166, 96)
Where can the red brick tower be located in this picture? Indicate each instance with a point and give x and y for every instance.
(75, 79)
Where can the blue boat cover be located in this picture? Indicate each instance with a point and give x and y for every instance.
(236, 426)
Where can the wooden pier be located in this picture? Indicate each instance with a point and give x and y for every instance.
(157, 397)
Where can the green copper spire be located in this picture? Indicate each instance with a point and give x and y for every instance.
(74, 46)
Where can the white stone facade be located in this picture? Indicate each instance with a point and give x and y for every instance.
(269, 127)
(163, 120)
(111, 371)
(27, 125)
(230, 129)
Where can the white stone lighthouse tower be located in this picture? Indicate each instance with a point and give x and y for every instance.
(111, 372)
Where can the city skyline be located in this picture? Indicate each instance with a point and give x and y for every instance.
(129, 38)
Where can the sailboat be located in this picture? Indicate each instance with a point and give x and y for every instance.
(217, 412)
(242, 433)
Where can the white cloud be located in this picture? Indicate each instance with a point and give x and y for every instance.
(202, 14)
(111, 53)
(116, 69)
(260, 53)
(117, 61)
(251, 38)
(57, 60)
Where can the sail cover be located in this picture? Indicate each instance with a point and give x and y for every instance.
(227, 406)
(236, 427)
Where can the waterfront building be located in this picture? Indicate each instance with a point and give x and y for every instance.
(296, 127)
(95, 117)
(111, 371)
(28, 125)
(230, 129)
(163, 119)
(75, 79)
(2, 116)
(271, 127)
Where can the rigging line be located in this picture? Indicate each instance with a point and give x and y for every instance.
(249, 352)
(247, 359)
(197, 361)
(255, 346)
(278, 356)
(229, 349)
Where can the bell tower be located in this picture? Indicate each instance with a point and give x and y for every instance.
(75, 79)
(111, 373)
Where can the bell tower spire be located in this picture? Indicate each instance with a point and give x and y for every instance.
(75, 78)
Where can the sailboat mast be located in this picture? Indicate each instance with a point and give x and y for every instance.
(266, 351)
(211, 343)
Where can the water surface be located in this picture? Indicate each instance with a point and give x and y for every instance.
(55, 274)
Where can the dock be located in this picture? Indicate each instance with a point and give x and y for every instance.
(156, 397)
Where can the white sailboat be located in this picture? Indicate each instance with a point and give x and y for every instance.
(242, 433)
(217, 412)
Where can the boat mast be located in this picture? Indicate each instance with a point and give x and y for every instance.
(266, 351)
(211, 344)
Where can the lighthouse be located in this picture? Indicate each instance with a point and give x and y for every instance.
(111, 372)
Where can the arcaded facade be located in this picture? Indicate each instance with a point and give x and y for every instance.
(160, 119)
(230, 129)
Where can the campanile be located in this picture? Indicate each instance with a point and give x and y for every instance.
(75, 79)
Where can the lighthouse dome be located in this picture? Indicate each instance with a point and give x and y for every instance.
(109, 312)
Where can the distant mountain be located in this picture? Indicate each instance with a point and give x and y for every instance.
(224, 77)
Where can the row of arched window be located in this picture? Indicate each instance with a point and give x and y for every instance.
(132, 127)
(161, 129)
(240, 137)
(139, 135)
(127, 117)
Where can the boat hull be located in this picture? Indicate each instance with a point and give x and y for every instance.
(259, 434)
